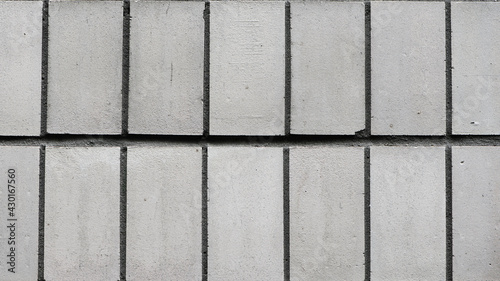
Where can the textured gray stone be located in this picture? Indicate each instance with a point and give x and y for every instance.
(328, 67)
(85, 67)
(408, 213)
(247, 68)
(82, 213)
(245, 213)
(327, 214)
(408, 68)
(20, 66)
(476, 67)
(22, 235)
(476, 215)
(164, 213)
(166, 67)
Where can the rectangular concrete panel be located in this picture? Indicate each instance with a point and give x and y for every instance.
(247, 68)
(408, 68)
(85, 67)
(328, 67)
(166, 67)
(19, 169)
(408, 213)
(20, 67)
(476, 213)
(82, 213)
(327, 214)
(164, 213)
(476, 68)
(245, 213)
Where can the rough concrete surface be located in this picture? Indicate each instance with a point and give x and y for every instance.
(476, 68)
(408, 68)
(245, 213)
(166, 67)
(164, 213)
(476, 213)
(247, 68)
(85, 67)
(327, 214)
(19, 213)
(408, 220)
(221, 140)
(82, 213)
(20, 66)
(328, 67)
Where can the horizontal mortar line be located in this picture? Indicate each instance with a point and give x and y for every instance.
(277, 141)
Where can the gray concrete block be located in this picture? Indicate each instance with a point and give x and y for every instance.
(164, 213)
(166, 67)
(245, 213)
(328, 67)
(85, 67)
(247, 68)
(408, 213)
(20, 66)
(408, 68)
(327, 214)
(82, 213)
(476, 67)
(476, 215)
(19, 212)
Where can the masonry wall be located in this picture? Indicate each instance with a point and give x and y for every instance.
(249, 140)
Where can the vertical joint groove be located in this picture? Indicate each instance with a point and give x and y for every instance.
(125, 66)
(286, 212)
(45, 68)
(449, 133)
(123, 212)
(41, 215)
(449, 215)
(368, 71)
(449, 105)
(206, 73)
(288, 69)
(367, 216)
(204, 211)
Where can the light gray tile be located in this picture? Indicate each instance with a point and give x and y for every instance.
(476, 215)
(82, 213)
(408, 213)
(327, 214)
(328, 68)
(408, 68)
(476, 67)
(166, 67)
(20, 67)
(85, 67)
(247, 68)
(164, 213)
(19, 212)
(245, 213)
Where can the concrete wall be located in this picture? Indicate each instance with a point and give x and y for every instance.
(249, 140)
